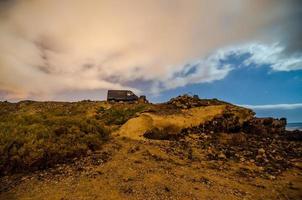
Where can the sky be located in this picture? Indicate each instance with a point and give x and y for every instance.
(245, 52)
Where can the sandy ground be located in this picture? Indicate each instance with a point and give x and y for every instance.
(137, 169)
(136, 127)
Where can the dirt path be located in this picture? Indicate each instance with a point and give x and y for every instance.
(138, 169)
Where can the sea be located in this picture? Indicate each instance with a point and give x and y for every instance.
(294, 126)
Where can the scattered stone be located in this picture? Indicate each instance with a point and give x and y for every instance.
(295, 135)
(167, 189)
(271, 177)
(222, 156)
(292, 186)
(261, 151)
(133, 149)
(205, 180)
(260, 141)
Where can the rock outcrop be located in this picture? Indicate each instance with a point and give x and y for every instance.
(265, 126)
(186, 101)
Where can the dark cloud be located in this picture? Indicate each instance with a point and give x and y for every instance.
(293, 38)
(6, 5)
(289, 28)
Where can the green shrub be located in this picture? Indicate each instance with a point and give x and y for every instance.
(119, 115)
(37, 135)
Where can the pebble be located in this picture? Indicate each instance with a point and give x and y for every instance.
(261, 151)
(222, 156)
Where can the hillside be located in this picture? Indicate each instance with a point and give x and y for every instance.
(186, 148)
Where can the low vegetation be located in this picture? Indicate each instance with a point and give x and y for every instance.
(36, 135)
(119, 114)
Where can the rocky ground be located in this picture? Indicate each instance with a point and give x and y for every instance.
(185, 169)
(229, 155)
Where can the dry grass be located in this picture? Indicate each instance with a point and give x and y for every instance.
(36, 135)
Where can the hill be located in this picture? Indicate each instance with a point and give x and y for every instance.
(186, 148)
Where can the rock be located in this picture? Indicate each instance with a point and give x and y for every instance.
(265, 126)
(271, 177)
(242, 159)
(167, 189)
(261, 151)
(295, 135)
(133, 149)
(210, 151)
(267, 148)
(222, 156)
(89, 152)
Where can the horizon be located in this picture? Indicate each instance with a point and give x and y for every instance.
(246, 53)
(258, 109)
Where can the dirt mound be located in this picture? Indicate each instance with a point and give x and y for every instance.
(136, 127)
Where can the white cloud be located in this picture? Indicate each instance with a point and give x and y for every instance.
(204, 70)
(258, 54)
(274, 56)
(274, 106)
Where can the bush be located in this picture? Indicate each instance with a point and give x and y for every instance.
(37, 135)
(118, 115)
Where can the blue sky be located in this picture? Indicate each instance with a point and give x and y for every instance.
(254, 85)
(251, 85)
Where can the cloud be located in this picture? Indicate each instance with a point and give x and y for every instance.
(204, 70)
(49, 47)
(289, 29)
(274, 106)
(273, 55)
(258, 54)
(218, 64)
